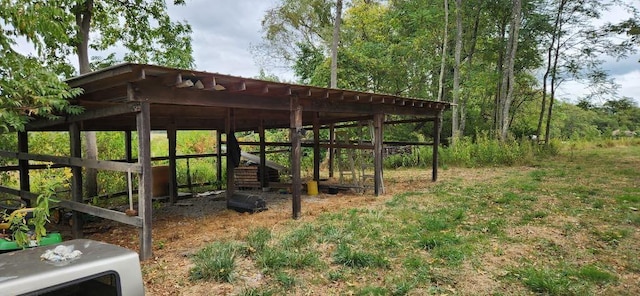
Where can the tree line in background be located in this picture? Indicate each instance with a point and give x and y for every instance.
(499, 62)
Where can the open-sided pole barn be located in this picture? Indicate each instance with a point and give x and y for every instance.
(142, 98)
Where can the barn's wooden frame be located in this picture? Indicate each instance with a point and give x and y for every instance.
(141, 98)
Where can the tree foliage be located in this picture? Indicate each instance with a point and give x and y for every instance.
(142, 27)
(27, 86)
(399, 46)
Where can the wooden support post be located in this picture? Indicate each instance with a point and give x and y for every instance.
(173, 176)
(264, 176)
(76, 180)
(332, 140)
(294, 135)
(436, 144)
(378, 139)
(316, 147)
(128, 150)
(143, 123)
(228, 126)
(23, 165)
(219, 159)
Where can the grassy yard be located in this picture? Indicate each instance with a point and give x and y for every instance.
(568, 225)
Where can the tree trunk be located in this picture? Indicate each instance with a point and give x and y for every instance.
(500, 72)
(464, 98)
(334, 45)
(508, 81)
(554, 51)
(83, 20)
(455, 122)
(545, 78)
(443, 61)
(552, 95)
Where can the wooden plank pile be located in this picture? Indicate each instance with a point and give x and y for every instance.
(272, 175)
(246, 177)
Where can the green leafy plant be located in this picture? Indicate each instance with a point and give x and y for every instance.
(24, 229)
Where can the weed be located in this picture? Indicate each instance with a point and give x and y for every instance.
(493, 226)
(451, 255)
(160, 244)
(537, 215)
(401, 199)
(257, 292)
(401, 287)
(595, 275)
(628, 198)
(278, 258)
(299, 237)
(598, 204)
(216, 261)
(336, 275)
(552, 249)
(507, 198)
(633, 219)
(438, 239)
(611, 237)
(258, 239)
(528, 186)
(286, 281)
(333, 234)
(538, 175)
(372, 291)
(435, 223)
(546, 281)
(347, 256)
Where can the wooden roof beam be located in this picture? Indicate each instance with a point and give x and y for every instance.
(119, 109)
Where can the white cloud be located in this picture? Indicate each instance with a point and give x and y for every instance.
(223, 32)
(630, 84)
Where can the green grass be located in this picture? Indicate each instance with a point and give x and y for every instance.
(566, 226)
(547, 282)
(628, 198)
(348, 256)
(215, 262)
(258, 239)
(566, 280)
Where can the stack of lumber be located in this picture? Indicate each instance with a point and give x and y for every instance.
(246, 177)
(272, 175)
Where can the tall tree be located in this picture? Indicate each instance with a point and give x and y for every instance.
(335, 40)
(291, 27)
(508, 76)
(455, 119)
(575, 47)
(443, 55)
